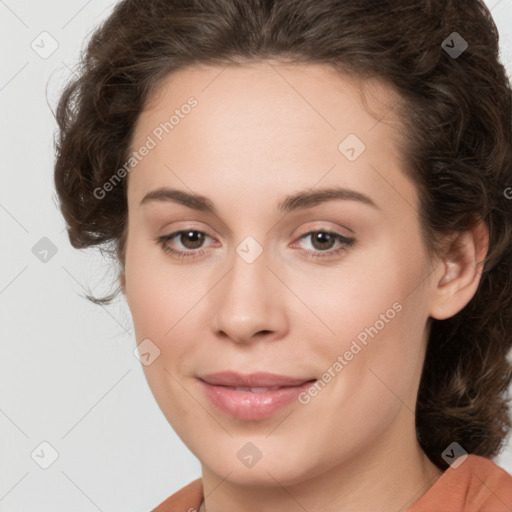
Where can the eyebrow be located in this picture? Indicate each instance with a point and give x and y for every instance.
(298, 201)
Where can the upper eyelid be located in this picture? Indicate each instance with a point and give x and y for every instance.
(339, 237)
(306, 231)
(323, 230)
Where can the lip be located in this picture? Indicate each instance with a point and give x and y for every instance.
(256, 404)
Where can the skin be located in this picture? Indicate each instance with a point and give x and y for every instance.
(259, 133)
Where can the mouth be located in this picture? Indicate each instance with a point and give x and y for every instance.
(254, 396)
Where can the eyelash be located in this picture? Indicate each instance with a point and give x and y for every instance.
(345, 242)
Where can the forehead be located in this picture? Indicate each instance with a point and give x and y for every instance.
(287, 121)
(294, 92)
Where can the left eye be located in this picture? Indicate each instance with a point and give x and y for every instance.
(321, 243)
(322, 240)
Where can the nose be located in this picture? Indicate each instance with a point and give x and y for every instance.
(250, 303)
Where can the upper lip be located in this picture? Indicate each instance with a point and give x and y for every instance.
(259, 379)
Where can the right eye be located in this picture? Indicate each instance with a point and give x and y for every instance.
(184, 243)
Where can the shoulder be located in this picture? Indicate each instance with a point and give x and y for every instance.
(476, 485)
(187, 499)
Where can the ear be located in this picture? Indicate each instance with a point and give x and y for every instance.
(460, 270)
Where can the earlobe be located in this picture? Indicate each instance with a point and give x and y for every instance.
(461, 267)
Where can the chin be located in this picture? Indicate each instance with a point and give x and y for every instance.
(255, 461)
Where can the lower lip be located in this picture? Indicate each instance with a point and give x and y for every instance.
(246, 405)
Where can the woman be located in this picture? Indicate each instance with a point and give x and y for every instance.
(308, 204)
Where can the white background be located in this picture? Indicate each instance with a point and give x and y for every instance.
(67, 372)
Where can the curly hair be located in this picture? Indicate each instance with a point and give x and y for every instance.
(455, 112)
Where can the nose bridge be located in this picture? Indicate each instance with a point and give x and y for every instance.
(247, 283)
(250, 275)
(249, 300)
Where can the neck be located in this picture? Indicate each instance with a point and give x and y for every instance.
(386, 478)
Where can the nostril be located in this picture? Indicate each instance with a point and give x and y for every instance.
(264, 331)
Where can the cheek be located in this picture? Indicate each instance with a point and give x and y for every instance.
(158, 294)
(378, 381)
(351, 296)
(376, 312)
(385, 374)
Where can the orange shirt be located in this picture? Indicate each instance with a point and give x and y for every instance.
(477, 485)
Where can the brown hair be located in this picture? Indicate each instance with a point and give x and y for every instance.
(457, 144)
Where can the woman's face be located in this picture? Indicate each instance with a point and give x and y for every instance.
(300, 256)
